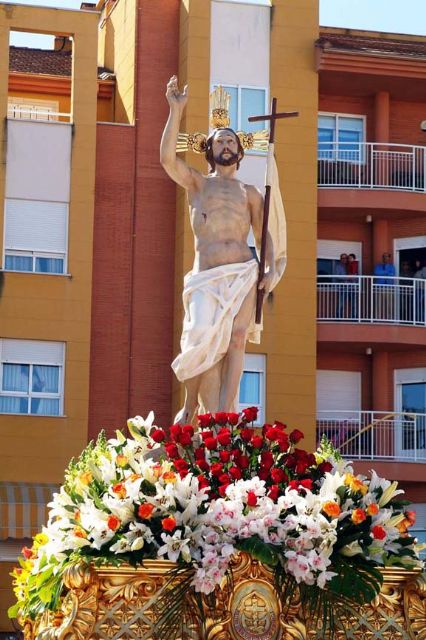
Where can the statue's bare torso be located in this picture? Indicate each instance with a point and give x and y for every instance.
(220, 219)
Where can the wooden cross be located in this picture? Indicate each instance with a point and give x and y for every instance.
(272, 117)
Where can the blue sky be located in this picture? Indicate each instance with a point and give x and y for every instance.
(394, 16)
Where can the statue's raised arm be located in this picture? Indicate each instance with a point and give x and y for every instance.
(176, 168)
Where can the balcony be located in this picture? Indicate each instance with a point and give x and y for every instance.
(375, 435)
(371, 300)
(372, 165)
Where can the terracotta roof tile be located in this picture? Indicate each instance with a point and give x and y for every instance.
(372, 45)
(43, 61)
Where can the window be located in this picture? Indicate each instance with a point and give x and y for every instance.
(328, 255)
(246, 102)
(340, 137)
(31, 377)
(25, 109)
(35, 236)
(252, 386)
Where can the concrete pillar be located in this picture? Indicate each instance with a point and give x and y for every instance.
(4, 80)
(382, 116)
(380, 240)
(380, 381)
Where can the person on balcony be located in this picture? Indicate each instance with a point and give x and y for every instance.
(420, 290)
(353, 270)
(341, 269)
(384, 288)
(406, 288)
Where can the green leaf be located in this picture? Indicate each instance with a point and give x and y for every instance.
(260, 550)
(148, 488)
(13, 611)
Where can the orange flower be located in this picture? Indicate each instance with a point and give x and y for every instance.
(79, 532)
(372, 509)
(331, 509)
(168, 524)
(134, 477)
(358, 516)
(113, 523)
(86, 477)
(379, 533)
(121, 460)
(145, 511)
(120, 490)
(169, 476)
(77, 516)
(27, 553)
(157, 470)
(355, 484)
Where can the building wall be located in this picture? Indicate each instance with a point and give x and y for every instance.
(38, 307)
(117, 45)
(112, 277)
(6, 595)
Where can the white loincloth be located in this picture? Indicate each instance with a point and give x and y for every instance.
(211, 300)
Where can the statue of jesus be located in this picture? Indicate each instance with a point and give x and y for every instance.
(220, 292)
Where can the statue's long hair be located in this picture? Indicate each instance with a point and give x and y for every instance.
(209, 148)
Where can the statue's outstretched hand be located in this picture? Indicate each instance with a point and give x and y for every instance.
(176, 98)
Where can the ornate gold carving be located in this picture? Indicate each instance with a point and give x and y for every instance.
(106, 603)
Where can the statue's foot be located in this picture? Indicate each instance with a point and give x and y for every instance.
(184, 416)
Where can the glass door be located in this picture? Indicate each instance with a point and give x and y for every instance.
(412, 434)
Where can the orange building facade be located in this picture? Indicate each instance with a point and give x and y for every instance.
(90, 318)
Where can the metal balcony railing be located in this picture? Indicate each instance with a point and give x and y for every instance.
(371, 299)
(24, 112)
(372, 165)
(375, 435)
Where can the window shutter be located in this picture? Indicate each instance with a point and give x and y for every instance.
(32, 225)
(331, 249)
(338, 391)
(32, 351)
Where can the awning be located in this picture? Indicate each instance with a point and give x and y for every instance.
(23, 508)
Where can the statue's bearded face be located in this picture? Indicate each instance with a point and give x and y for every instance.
(225, 148)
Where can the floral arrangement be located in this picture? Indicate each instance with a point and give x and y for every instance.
(197, 497)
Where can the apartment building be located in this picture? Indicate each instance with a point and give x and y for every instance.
(371, 363)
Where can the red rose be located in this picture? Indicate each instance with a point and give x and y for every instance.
(379, 533)
(272, 434)
(216, 469)
(301, 467)
(206, 434)
(203, 464)
(251, 499)
(202, 482)
(246, 434)
(185, 439)
(263, 473)
(325, 467)
(235, 453)
(243, 462)
(224, 479)
(250, 414)
(27, 553)
(175, 431)
(211, 443)
(168, 524)
(233, 418)
(278, 475)
(296, 436)
(290, 461)
(257, 442)
(225, 456)
(235, 473)
(158, 435)
(293, 484)
(205, 420)
(267, 459)
(180, 464)
(222, 490)
(224, 437)
(171, 450)
(221, 418)
(274, 492)
(283, 443)
(280, 425)
(199, 453)
(188, 428)
(306, 484)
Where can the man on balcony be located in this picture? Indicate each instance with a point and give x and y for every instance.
(384, 288)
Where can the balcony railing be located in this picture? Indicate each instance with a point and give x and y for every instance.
(375, 435)
(24, 112)
(371, 299)
(372, 165)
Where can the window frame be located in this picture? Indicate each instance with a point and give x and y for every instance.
(239, 88)
(34, 255)
(335, 152)
(34, 394)
(250, 366)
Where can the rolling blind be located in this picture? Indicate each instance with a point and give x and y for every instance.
(32, 351)
(331, 249)
(32, 225)
(338, 391)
